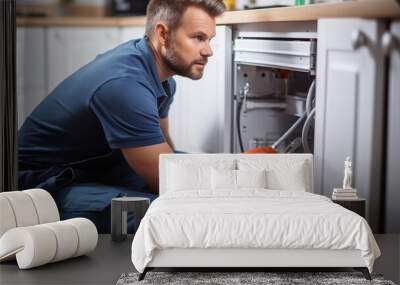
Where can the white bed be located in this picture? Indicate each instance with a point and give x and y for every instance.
(236, 210)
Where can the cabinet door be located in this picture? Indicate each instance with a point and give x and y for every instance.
(200, 115)
(349, 102)
(131, 33)
(68, 49)
(31, 71)
(392, 209)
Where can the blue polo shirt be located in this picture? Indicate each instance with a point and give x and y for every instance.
(116, 101)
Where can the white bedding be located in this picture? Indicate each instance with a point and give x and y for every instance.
(251, 218)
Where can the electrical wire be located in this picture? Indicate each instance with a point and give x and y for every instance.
(289, 131)
(310, 98)
(305, 131)
(308, 114)
(239, 131)
(310, 110)
(240, 103)
(293, 146)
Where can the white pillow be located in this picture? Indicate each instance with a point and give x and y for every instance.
(282, 173)
(236, 179)
(251, 178)
(188, 177)
(293, 178)
(183, 173)
(223, 179)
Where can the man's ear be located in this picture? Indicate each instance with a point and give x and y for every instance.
(161, 31)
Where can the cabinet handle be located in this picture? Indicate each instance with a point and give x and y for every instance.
(358, 39)
(389, 42)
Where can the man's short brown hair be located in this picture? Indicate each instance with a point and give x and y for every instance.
(170, 11)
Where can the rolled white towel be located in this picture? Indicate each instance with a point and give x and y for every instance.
(33, 246)
(67, 240)
(26, 208)
(23, 208)
(7, 218)
(87, 235)
(40, 244)
(45, 205)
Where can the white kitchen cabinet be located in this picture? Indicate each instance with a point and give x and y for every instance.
(31, 70)
(68, 49)
(64, 50)
(391, 43)
(131, 33)
(350, 108)
(200, 115)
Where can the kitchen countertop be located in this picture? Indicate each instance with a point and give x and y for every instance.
(359, 8)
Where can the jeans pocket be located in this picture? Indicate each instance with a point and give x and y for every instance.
(57, 178)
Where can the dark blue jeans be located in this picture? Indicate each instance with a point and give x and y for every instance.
(92, 201)
(81, 192)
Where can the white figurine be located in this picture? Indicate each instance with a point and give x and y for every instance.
(348, 173)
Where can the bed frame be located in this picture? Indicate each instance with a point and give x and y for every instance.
(243, 259)
(250, 258)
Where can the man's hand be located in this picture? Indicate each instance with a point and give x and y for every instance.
(144, 161)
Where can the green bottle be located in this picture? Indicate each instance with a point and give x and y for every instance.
(298, 2)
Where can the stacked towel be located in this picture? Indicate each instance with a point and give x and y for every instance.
(344, 194)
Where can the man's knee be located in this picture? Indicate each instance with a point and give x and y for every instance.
(93, 201)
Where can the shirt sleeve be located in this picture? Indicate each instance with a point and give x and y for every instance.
(164, 110)
(127, 111)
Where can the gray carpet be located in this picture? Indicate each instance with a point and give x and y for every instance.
(243, 278)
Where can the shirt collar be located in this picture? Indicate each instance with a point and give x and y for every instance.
(148, 55)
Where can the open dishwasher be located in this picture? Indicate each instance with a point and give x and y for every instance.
(274, 88)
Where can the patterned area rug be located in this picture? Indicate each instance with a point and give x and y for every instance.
(243, 278)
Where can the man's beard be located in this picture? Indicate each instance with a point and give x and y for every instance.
(177, 65)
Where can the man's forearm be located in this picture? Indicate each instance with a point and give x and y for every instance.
(144, 161)
(165, 130)
(169, 142)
